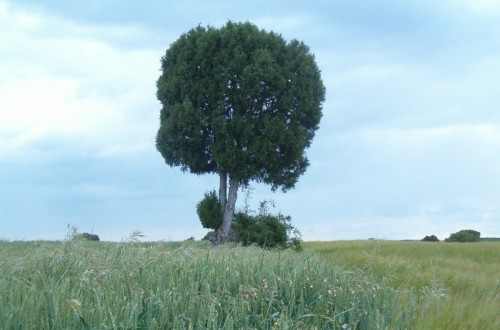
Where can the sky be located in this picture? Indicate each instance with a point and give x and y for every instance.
(408, 146)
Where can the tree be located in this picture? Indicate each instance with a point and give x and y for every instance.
(467, 235)
(239, 102)
(432, 238)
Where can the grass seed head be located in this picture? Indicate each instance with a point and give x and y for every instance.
(74, 304)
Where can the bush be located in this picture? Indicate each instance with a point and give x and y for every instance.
(431, 238)
(208, 210)
(468, 235)
(265, 229)
(87, 236)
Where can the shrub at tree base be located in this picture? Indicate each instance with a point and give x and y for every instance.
(431, 238)
(467, 235)
(208, 210)
(263, 230)
(266, 229)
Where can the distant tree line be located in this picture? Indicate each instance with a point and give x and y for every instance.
(466, 235)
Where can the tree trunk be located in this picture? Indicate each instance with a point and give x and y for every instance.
(223, 233)
(222, 192)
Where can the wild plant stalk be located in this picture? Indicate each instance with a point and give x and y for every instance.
(90, 285)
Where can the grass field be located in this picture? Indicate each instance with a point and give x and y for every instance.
(457, 285)
(191, 285)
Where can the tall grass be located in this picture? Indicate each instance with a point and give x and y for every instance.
(99, 285)
(457, 284)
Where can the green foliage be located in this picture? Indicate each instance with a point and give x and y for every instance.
(462, 236)
(208, 210)
(186, 285)
(239, 101)
(431, 238)
(73, 234)
(265, 229)
(87, 236)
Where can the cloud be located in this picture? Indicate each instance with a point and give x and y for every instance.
(395, 92)
(398, 183)
(485, 8)
(433, 159)
(107, 191)
(61, 79)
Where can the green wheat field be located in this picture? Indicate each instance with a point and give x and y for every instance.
(192, 285)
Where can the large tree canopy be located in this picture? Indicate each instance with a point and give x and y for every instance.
(240, 102)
